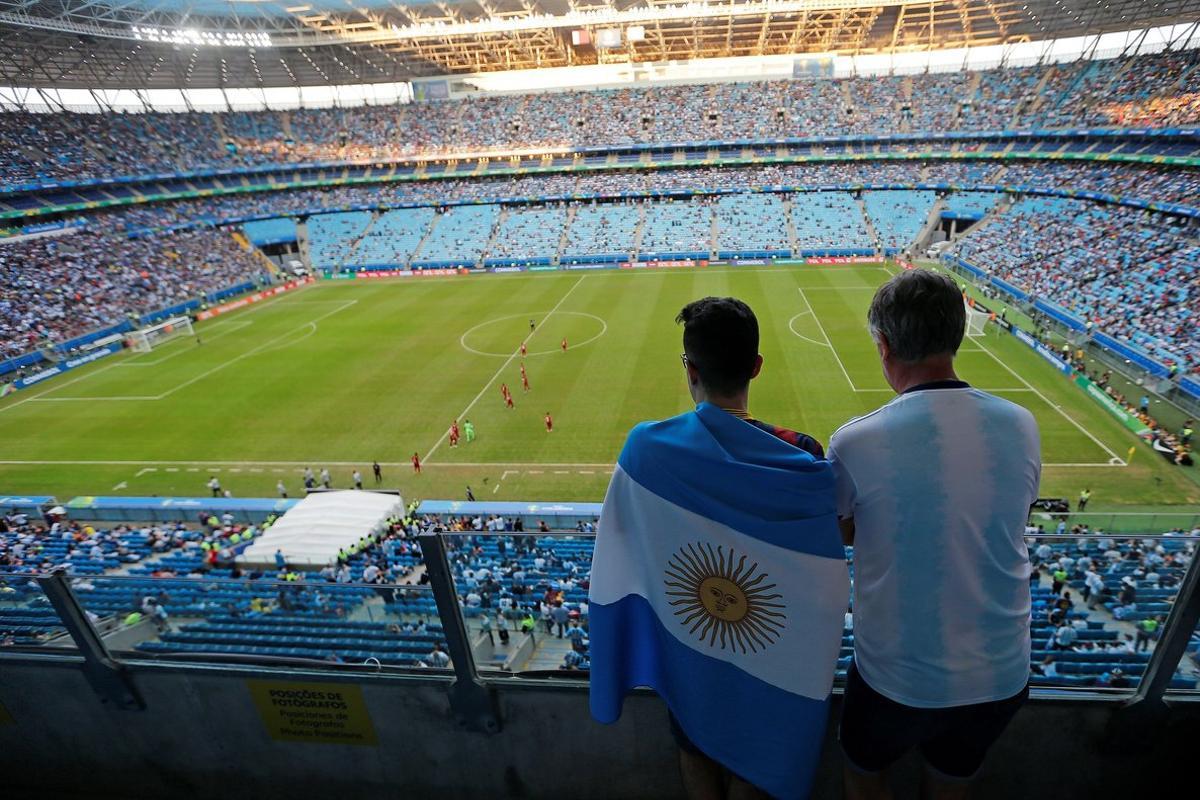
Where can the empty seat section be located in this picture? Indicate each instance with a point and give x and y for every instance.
(602, 231)
(898, 216)
(527, 234)
(828, 223)
(752, 226)
(458, 237)
(332, 236)
(678, 229)
(392, 239)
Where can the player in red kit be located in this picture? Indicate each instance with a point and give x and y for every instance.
(416, 459)
(504, 391)
(523, 351)
(549, 423)
(454, 434)
(564, 344)
(508, 401)
(524, 379)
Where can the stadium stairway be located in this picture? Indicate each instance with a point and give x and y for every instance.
(285, 125)
(572, 210)
(714, 232)
(972, 92)
(641, 228)
(1038, 101)
(872, 234)
(548, 652)
(931, 224)
(353, 250)
(302, 242)
(495, 232)
(270, 266)
(791, 227)
(424, 238)
(904, 122)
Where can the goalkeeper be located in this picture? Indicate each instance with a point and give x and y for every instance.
(469, 430)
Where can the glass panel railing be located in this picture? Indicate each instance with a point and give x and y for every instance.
(1100, 604)
(523, 598)
(308, 619)
(1187, 675)
(1117, 522)
(27, 619)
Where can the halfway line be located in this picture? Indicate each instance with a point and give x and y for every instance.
(504, 366)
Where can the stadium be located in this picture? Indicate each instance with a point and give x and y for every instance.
(324, 328)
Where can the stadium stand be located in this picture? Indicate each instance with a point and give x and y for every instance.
(393, 238)
(1083, 256)
(459, 236)
(57, 287)
(332, 237)
(828, 223)
(602, 232)
(1146, 90)
(752, 226)
(363, 607)
(679, 229)
(528, 234)
(898, 216)
(970, 205)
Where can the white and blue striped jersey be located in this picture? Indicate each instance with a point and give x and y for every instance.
(939, 482)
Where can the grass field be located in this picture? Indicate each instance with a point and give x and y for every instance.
(343, 373)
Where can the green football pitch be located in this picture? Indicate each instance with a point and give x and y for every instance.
(340, 374)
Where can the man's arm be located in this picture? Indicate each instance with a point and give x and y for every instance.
(847, 492)
(847, 527)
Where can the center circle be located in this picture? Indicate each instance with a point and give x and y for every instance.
(543, 316)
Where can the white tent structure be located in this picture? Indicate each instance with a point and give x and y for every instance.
(313, 531)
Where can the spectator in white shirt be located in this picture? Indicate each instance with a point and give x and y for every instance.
(934, 491)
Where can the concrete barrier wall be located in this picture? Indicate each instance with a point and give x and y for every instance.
(202, 736)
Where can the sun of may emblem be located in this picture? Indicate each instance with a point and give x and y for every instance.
(724, 602)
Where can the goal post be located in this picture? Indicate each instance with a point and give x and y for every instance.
(146, 339)
(976, 320)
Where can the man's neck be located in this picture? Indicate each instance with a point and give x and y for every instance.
(931, 371)
(736, 404)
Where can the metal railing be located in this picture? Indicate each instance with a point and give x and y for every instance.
(472, 690)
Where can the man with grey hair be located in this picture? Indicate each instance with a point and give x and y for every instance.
(934, 490)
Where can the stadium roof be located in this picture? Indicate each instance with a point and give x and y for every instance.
(179, 44)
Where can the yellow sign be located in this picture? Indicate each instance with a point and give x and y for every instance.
(326, 713)
(5, 717)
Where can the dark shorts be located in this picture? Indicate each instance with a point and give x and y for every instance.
(681, 739)
(876, 731)
(688, 746)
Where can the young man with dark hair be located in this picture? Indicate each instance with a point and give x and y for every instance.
(720, 343)
(934, 491)
(714, 497)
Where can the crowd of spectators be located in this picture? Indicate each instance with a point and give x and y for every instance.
(1131, 274)
(57, 287)
(1155, 183)
(1150, 90)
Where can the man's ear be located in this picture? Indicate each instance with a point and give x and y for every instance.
(693, 375)
(881, 344)
(758, 362)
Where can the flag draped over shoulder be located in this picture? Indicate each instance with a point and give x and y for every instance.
(719, 580)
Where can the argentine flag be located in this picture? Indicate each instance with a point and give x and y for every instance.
(719, 580)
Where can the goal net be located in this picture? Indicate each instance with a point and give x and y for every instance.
(976, 320)
(146, 339)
